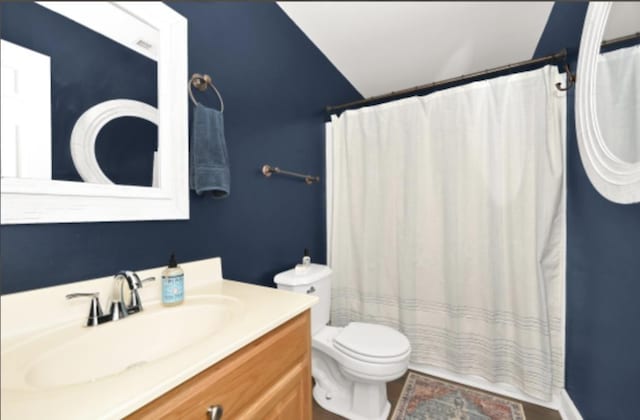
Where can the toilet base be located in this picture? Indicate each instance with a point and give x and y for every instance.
(342, 405)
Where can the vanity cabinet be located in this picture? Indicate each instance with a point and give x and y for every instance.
(269, 378)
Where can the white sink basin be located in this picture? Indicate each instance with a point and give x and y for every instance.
(51, 359)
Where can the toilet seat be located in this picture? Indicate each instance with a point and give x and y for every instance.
(372, 343)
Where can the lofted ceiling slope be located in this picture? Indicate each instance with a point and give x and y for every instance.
(386, 46)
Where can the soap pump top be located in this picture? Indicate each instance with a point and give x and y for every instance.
(172, 261)
(306, 263)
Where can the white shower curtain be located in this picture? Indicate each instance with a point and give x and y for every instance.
(447, 223)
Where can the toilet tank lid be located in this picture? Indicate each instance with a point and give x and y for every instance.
(307, 275)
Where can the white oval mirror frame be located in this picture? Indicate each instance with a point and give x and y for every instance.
(54, 201)
(86, 129)
(613, 178)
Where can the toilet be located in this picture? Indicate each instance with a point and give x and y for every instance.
(350, 365)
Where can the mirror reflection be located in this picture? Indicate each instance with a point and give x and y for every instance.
(618, 84)
(54, 71)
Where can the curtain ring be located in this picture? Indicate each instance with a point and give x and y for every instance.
(201, 82)
(571, 79)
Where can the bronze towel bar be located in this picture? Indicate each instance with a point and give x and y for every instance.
(267, 170)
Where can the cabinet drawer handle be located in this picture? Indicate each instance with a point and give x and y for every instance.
(311, 290)
(215, 412)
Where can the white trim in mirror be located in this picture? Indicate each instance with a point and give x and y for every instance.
(50, 201)
(615, 179)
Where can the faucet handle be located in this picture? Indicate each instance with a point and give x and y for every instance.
(147, 280)
(95, 310)
(82, 294)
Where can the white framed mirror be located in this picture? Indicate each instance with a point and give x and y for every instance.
(152, 30)
(607, 108)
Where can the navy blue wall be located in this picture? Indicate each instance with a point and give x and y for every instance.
(603, 270)
(275, 84)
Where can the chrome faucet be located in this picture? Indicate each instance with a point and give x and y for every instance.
(134, 283)
(118, 308)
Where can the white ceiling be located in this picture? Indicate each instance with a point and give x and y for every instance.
(624, 19)
(385, 46)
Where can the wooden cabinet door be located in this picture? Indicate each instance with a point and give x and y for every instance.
(287, 399)
(270, 378)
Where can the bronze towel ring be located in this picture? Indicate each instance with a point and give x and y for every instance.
(200, 82)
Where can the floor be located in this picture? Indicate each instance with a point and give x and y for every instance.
(531, 411)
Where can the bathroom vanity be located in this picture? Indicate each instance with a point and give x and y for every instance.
(231, 345)
(269, 378)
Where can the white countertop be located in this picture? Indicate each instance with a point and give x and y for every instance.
(261, 310)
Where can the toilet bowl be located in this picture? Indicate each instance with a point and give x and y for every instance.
(350, 365)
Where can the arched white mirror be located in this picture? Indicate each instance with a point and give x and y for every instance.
(608, 100)
(94, 112)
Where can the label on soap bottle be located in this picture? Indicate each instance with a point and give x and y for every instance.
(173, 289)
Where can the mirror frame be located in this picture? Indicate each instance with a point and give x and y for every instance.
(613, 178)
(52, 201)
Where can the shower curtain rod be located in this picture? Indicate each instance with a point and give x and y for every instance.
(559, 56)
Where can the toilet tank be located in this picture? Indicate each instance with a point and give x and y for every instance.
(313, 279)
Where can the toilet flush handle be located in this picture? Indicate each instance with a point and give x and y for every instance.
(311, 290)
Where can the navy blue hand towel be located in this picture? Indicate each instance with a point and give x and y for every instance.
(208, 158)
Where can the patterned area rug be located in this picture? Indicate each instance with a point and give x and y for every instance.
(426, 398)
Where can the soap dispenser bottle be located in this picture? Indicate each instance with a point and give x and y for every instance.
(172, 283)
